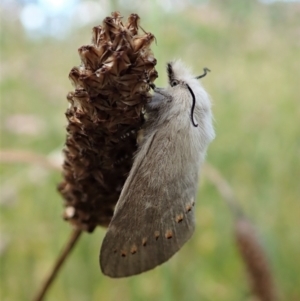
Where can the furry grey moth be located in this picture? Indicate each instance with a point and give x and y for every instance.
(154, 216)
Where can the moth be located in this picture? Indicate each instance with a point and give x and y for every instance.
(154, 216)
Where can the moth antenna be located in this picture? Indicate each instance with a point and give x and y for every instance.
(204, 74)
(170, 72)
(193, 106)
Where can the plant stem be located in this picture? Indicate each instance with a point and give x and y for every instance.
(58, 264)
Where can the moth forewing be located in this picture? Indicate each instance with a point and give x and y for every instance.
(159, 219)
(154, 216)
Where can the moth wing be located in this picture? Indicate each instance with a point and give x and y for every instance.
(151, 221)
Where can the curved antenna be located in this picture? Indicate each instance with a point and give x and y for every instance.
(193, 106)
(204, 74)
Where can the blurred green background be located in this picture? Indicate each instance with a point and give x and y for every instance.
(253, 50)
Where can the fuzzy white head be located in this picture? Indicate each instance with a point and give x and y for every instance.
(184, 100)
(154, 216)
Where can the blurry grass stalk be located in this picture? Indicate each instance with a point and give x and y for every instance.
(247, 241)
(255, 260)
(22, 156)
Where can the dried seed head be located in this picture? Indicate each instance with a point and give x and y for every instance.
(111, 89)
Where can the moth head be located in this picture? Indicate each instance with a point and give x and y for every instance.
(183, 100)
(184, 92)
